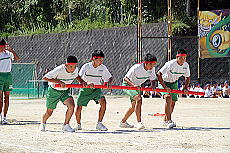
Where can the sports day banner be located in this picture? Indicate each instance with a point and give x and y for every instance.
(214, 33)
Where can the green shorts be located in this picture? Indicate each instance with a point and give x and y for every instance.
(131, 93)
(171, 86)
(5, 81)
(54, 96)
(87, 94)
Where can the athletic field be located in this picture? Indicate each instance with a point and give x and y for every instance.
(203, 126)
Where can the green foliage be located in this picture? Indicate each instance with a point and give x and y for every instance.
(180, 29)
(30, 17)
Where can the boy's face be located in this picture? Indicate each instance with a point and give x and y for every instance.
(181, 59)
(149, 66)
(98, 61)
(71, 68)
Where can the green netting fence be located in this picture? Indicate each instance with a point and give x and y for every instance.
(23, 86)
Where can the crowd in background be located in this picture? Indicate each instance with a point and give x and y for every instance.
(211, 90)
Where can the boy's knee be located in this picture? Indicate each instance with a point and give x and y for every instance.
(49, 113)
(137, 98)
(79, 108)
(168, 97)
(102, 102)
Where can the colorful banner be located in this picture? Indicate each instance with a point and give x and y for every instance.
(214, 33)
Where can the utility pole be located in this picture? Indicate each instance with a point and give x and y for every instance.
(169, 30)
(139, 32)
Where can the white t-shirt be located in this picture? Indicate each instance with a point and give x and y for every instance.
(198, 89)
(225, 90)
(94, 75)
(208, 93)
(214, 89)
(171, 71)
(6, 58)
(138, 75)
(61, 74)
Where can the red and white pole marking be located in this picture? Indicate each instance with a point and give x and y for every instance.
(129, 88)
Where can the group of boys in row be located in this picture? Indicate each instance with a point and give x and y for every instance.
(94, 73)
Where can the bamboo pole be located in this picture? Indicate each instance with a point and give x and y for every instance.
(128, 88)
(139, 32)
(198, 60)
(169, 30)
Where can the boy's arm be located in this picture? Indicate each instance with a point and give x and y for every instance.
(130, 82)
(81, 81)
(16, 57)
(63, 85)
(109, 83)
(160, 79)
(185, 88)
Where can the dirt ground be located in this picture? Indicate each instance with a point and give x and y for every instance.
(203, 125)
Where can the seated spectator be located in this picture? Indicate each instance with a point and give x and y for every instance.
(208, 91)
(156, 94)
(198, 89)
(214, 89)
(220, 91)
(226, 90)
(146, 94)
(191, 88)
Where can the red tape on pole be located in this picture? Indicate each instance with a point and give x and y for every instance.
(129, 88)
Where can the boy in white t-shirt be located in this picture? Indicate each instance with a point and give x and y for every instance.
(94, 73)
(226, 90)
(198, 89)
(168, 77)
(63, 74)
(137, 75)
(208, 91)
(7, 55)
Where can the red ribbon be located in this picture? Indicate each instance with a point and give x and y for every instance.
(71, 63)
(95, 57)
(150, 61)
(181, 55)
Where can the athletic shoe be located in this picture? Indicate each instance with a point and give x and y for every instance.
(101, 127)
(42, 127)
(140, 126)
(174, 124)
(0, 118)
(78, 127)
(125, 125)
(169, 124)
(4, 120)
(67, 128)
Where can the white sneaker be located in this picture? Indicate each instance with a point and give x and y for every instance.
(174, 124)
(0, 118)
(125, 125)
(101, 127)
(78, 127)
(67, 128)
(169, 124)
(4, 120)
(42, 127)
(140, 126)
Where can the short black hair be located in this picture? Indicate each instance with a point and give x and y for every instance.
(149, 58)
(182, 51)
(2, 42)
(71, 59)
(98, 53)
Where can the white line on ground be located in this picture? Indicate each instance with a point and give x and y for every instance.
(28, 147)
